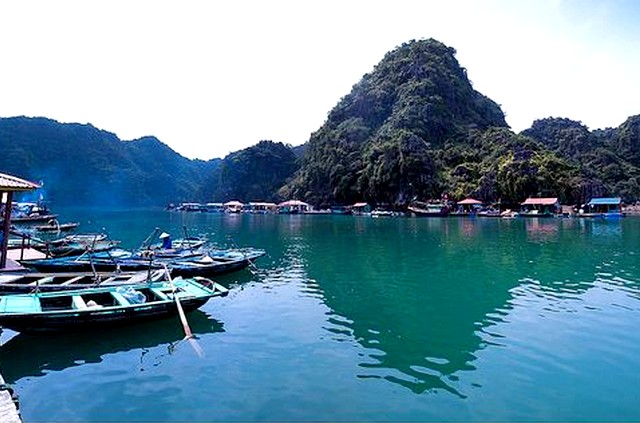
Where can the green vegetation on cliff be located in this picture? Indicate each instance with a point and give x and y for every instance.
(416, 128)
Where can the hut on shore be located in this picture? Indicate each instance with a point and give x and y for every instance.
(8, 186)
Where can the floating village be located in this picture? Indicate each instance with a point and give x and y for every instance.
(610, 207)
(55, 279)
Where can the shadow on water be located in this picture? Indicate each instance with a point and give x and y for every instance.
(37, 355)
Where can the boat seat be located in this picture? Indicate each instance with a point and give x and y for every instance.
(42, 281)
(72, 280)
(78, 302)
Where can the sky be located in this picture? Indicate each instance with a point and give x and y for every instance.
(209, 77)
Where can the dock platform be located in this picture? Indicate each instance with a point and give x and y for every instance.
(8, 411)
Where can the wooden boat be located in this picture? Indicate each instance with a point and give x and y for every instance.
(213, 262)
(419, 208)
(56, 227)
(104, 306)
(27, 282)
(180, 247)
(75, 245)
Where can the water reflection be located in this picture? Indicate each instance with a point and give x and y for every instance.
(422, 295)
(36, 355)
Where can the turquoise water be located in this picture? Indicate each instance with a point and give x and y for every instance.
(358, 318)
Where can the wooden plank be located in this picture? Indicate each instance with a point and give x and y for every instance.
(8, 411)
(72, 280)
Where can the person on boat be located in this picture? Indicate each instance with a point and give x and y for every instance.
(166, 241)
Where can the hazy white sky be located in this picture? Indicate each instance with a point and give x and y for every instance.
(211, 77)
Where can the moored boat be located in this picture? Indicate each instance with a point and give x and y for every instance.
(212, 262)
(27, 282)
(55, 226)
(104, 306)
(419, 208)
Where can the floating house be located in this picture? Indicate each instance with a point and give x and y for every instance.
(467, 207)
(233, 206)
(293, 207)
(361, 208)
(540, 207)
(603, 207)
(9, 185)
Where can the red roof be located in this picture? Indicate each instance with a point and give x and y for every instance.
(469, 201)
(540, 201)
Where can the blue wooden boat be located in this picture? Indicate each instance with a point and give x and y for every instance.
(210, 263)
(104, 306)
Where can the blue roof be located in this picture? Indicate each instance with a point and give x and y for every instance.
(612, 200)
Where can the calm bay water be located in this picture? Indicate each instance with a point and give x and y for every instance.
(357, 318)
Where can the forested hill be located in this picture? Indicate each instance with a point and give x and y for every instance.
(415, 128)
(82, 165)
(379, 142)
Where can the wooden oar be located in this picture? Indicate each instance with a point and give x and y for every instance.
(183, 318)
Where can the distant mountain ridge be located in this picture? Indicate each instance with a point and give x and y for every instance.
(80, 164)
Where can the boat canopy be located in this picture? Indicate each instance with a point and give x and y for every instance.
(357, 205)
(605, 201)
(540, 201)
(469, 201)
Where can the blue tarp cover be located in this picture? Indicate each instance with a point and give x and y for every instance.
(613, 200)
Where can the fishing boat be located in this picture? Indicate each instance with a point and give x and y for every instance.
(27, 282)
(105, 306)
(212, 262)
(75, 245)
(215, 262)
(30, 213)
(419, 208)
(55, 226)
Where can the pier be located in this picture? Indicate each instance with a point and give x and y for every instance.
(8, 410)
